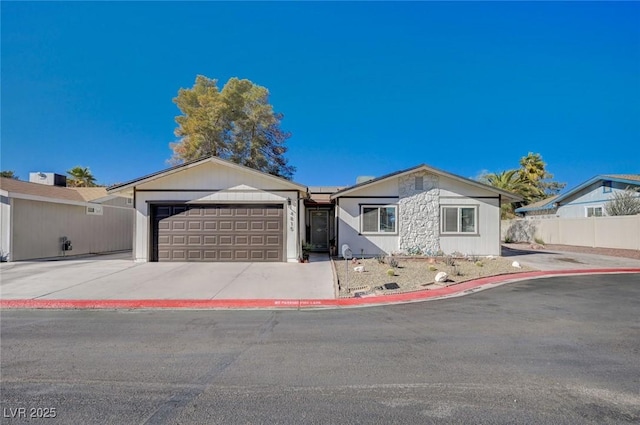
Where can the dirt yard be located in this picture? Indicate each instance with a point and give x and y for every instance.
(414, 274)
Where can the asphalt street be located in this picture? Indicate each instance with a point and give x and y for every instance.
(562, 350)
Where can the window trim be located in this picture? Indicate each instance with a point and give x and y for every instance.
(378, 206)
(586, 210)
(476, 223)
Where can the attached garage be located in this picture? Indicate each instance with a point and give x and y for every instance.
(213, 210)
(218, 233)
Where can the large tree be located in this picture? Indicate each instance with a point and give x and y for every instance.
(533, 170)
(80, 177)
(236, 123)
(511, 181)
(532, 181)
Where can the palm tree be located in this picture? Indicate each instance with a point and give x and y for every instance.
(81, 177)
(533, 168)
(512, 181)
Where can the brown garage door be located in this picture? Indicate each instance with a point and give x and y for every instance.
(218, 233)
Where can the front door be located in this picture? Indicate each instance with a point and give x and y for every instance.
(319, 230)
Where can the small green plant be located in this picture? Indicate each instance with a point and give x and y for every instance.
(380, 259)
(508, 239)
(432, 268)
(456, 272)
(414, 251)
(479, 263)
(539, 241)
(391, 272)
(392, 262)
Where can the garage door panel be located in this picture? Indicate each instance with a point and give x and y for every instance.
(273, 226)
(210, 225)
(194, 226)
(218, 233)
(241, 240)
(225, 225)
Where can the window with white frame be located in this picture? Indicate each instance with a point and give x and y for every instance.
(594, 211)
(459, 219)
(378, 219)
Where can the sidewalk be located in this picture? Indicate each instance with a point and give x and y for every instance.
(461, 289)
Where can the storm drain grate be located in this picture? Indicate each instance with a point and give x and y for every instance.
(391, 285)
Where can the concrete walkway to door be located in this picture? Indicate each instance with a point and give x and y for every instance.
(117, 277)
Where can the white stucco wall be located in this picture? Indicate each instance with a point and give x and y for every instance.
(348, 221)
(211, 183)
(591, 196)
(419, 220)
(5, 225)
(38, 226)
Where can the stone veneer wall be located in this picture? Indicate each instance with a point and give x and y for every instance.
(419, 213)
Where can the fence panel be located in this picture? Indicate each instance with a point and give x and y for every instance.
(604, 232)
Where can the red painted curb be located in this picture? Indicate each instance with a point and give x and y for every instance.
(445, 292)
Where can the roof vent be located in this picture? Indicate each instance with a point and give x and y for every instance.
(363, 179)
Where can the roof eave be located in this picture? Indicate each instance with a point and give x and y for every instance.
(150, 177)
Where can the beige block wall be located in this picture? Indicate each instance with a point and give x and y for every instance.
(38, 227)
(622, 232)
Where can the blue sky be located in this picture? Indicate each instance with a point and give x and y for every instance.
(367, 88)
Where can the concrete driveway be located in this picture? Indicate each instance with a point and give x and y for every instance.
(116, 277)
(564, 260)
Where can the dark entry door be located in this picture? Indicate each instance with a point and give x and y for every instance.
(319, 230)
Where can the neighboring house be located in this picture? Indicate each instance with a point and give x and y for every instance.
(215, 210)
(420, 210)
(35, 217)
(586, 200)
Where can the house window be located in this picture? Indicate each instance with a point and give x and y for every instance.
(419, 183)
(606, 186)
(94, 210)
(594, 211)
(459, 220)
(378, 219)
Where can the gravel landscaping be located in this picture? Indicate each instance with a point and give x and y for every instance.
(414, 273)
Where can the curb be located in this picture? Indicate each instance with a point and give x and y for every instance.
(461, 289)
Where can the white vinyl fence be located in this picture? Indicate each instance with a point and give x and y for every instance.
(602, 232)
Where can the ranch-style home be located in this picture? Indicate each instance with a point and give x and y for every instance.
(215, 210)
(43, 218)
(589, 199)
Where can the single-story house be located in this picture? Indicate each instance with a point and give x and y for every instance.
(215, 210)
(36, 219)
(420, 210)
(586, 200)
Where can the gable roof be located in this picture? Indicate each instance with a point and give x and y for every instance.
(74, 194)
(508, 196)
(194, 163)
(544, 204)
(547, 204)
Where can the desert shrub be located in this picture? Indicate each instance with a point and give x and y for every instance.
(508, 239)
(432, 268)
(539, 241)
(391, 272)
(479, 263)
(380, 259)
(392, 262)
(449, 261)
